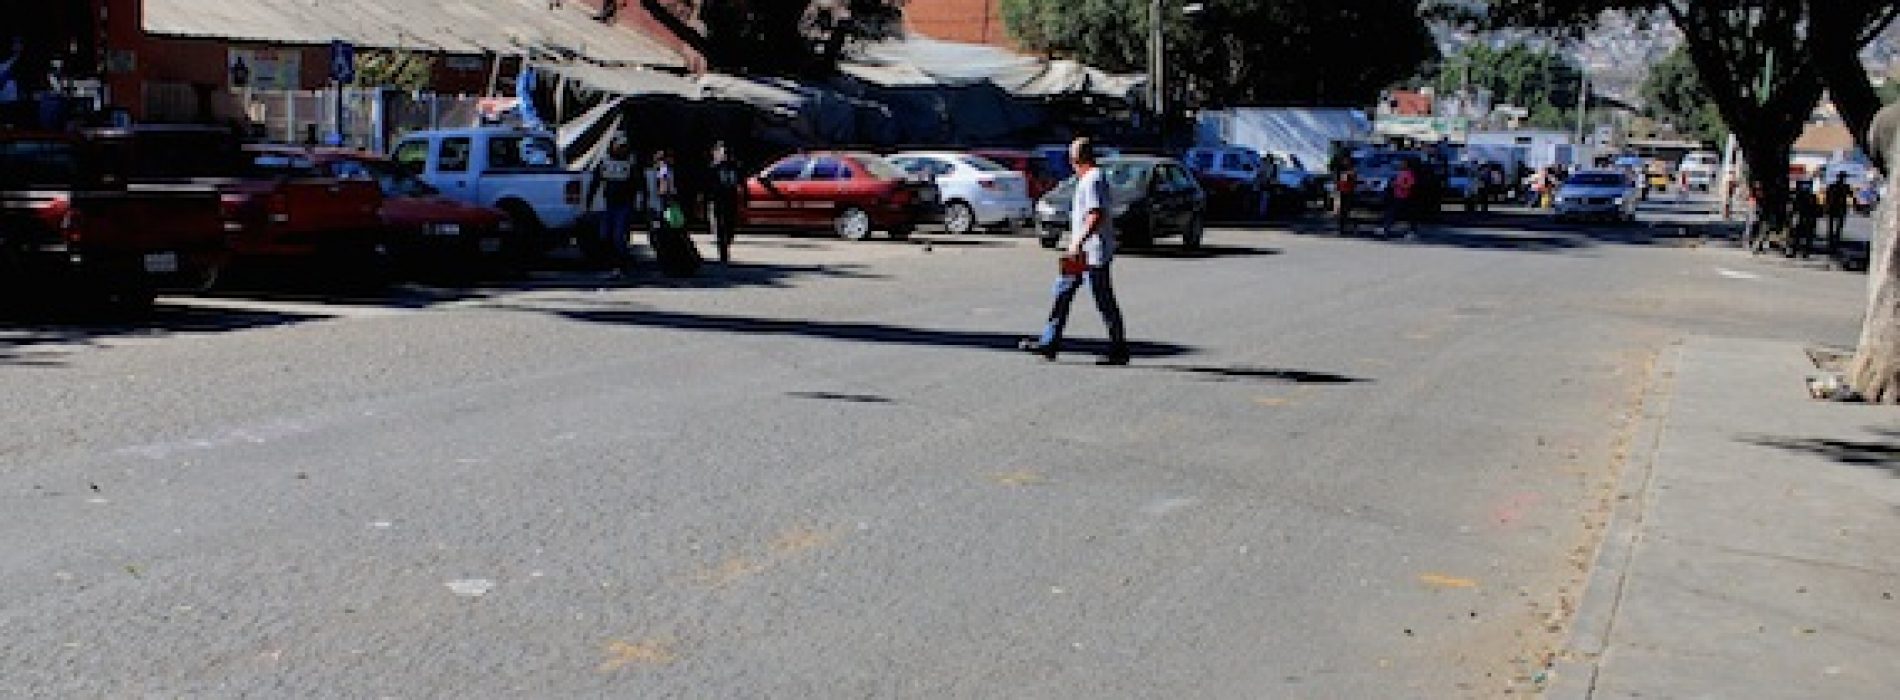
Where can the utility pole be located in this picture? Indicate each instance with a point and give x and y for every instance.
(1583, 100)
(1157, 68)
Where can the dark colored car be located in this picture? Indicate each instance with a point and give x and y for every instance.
(1152, 198)
(77, 228)
(851, 193)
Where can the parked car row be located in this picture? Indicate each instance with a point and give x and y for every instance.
(856, 193)
(117, 215)
(113, 216)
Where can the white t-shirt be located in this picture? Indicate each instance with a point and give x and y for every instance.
(1091, 194)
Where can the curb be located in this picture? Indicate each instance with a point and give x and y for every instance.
(1574, 675)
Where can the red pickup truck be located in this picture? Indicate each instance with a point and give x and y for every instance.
(277, 209)
(75, 229)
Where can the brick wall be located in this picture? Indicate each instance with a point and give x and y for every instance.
(973, 21)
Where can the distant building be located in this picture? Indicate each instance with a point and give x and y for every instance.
(1407, 103)
(968, 21)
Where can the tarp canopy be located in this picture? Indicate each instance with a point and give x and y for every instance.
(1023, 76)
(1308, 133)
(451, 26)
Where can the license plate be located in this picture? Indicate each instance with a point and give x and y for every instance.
(161, 262)
(490, 245)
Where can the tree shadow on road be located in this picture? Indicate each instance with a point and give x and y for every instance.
(1882, 453)
(39, 339)
(854, 332)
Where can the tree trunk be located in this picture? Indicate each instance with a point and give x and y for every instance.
(1875, 372)
(1837, 30)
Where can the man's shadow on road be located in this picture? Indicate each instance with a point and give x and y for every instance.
(975, 340)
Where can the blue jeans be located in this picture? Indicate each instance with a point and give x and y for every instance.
(1102, 286)
(616, 222)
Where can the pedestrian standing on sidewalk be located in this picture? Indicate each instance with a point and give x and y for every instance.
(1345, 184)
(724, 186)
(1840, 197)
(616, 177)
(1400, 199)
(1807, 215)
(1090, 254)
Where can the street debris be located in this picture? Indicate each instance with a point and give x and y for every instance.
(471, 587)
(1831, 387)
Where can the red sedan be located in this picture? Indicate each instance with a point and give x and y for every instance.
(425, 229)
(848, 192)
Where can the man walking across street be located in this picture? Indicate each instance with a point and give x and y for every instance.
(1090, 254)
(1840, 196)
(618, 177)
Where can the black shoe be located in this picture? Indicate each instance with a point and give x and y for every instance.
(1113, 359)
(1034, 346)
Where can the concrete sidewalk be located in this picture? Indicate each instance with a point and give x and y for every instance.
(1755, 548)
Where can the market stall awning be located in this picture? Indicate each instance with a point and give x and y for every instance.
(451, 26)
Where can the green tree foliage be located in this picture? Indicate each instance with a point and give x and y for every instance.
(1673, 93)
(1242, 51)
(403, 70)
(776, 36)
(1541, 81)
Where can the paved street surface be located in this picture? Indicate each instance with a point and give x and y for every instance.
(1338, 468)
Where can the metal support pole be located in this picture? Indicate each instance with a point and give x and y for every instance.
(1157, 68)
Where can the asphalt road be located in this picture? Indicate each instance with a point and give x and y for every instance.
(1339, 467)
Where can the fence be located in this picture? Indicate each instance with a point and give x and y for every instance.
(372, 118)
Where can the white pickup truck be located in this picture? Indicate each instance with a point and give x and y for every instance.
(517, 171)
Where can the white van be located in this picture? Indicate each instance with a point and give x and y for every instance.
(1699, 170)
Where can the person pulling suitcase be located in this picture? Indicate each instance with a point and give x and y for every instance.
(673, 247)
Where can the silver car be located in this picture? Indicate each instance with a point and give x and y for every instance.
(1601, 195)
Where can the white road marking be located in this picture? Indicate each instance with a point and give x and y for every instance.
(1736, 274)
(297, 308)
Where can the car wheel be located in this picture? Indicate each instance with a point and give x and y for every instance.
(852, 224)
(1049, 242)
(959, 218)
(1196, 229)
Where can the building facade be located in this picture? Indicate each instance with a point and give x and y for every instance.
(969, 21)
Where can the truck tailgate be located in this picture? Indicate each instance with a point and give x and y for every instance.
(149, 219)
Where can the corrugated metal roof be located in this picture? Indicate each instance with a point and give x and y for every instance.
(454, 26)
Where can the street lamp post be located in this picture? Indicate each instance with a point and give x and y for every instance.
(1158, 60)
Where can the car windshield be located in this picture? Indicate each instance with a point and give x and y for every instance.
(38, 163)
(1125, 174)
(173, 155)
(984, 165)
(521, 152)
(1381, 161)
(395, 180)
(879, 168)
(1597, 180)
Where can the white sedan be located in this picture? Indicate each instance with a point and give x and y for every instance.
(977, 192)
(1607, 195)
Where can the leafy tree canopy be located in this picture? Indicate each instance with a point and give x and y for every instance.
(776, 36)
(1242, 51)
(1674, 93)
(1541, 81)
